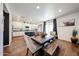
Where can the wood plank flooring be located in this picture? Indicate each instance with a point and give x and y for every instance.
(68, 48)
(65, 48)
(19, 47)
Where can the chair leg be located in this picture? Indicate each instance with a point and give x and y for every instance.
(27, 52)
(32, 54)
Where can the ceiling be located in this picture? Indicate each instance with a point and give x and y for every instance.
(46, 11)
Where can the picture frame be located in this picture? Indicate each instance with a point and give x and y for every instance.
(66, 22)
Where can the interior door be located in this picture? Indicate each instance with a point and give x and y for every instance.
(6, 28)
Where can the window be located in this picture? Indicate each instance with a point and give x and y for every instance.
(49, 26)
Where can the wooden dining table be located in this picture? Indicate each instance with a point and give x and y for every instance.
(42, 40)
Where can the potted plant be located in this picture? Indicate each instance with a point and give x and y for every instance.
(74, 39)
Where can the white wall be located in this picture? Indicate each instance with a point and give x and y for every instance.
(65, 32)
(1, 29)
(10, 28)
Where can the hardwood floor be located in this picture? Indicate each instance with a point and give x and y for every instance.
(65, 48)
(18, 47)
(68, 48)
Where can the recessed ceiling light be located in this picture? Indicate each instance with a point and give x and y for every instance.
(59, 10)
(38, 7)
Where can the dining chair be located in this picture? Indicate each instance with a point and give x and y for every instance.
(32, 46)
